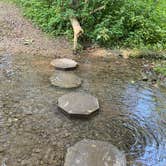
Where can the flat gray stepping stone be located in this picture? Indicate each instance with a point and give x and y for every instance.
(78, 104)
(94, 153)
(64, 63)
(65, 80)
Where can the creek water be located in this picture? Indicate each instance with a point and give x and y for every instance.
(34, 132)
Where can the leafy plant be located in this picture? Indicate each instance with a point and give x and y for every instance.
(125, 23)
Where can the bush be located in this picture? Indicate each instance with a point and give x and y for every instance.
(126, 23)
(161, 69)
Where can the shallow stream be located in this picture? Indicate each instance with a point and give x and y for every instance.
(33, 132)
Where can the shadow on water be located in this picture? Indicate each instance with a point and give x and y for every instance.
(33, 131)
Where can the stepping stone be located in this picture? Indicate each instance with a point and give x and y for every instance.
(64, 63)
(65, 80)
(78, 104)
(94, 153)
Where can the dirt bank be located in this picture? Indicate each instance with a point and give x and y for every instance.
(17, 35)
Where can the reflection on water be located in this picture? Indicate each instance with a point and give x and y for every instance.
(6, 67)
(132, 116)
(149, 106)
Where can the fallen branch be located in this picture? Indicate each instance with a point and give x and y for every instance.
(78, 31)
(98, 9)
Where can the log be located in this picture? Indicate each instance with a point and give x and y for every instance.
(78, 31)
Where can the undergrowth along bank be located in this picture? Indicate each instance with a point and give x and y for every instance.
(123, 23)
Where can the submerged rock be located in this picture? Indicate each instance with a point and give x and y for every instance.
(65, 80)
(144, 77)
(78, 104)
(162, 83)
(64, 63)
(94, 153)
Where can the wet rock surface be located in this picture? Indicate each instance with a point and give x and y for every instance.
(79, 104)
(94, 153)
(162, 83)
(64, 64)
(65, 80)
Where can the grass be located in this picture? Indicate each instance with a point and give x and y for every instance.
(161, 68)
(149, 54)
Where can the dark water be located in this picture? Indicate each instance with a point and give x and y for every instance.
(34, 132)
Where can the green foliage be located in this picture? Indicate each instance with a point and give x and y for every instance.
(148, 54)
(161, 68)
(126, 23)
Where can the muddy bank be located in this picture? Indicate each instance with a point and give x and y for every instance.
(17, 35)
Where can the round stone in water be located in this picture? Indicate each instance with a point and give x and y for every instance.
(64, 63)
(78, 104)
(65, 80)
(94, 153)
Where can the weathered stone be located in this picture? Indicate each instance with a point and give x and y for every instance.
(94, 153)
(162, 83)
(144, 77)
(65, 80)
(64, 63)
(78, 104)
